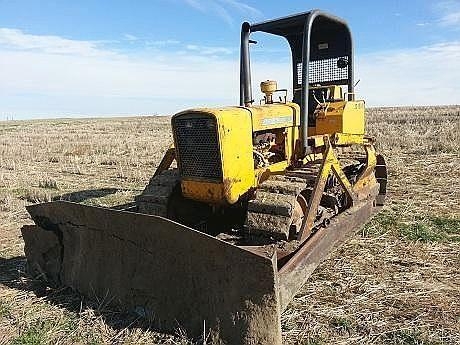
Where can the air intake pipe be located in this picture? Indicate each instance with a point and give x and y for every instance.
(245, 67)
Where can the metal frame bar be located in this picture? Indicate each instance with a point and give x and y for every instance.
(309, 19)
(330, 164)
(245, 67)
(166, 161)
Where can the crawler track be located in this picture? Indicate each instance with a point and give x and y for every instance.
(156, 195)
(275, 209)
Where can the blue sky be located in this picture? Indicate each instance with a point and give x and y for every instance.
(77, 58)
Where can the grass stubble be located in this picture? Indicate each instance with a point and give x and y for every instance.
(397, 281)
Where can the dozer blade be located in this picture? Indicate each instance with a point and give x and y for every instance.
(175, 275)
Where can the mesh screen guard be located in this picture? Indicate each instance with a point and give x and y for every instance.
(198, 147)
(324, 71)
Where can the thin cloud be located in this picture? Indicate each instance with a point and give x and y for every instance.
(17, 39)
(447, 15)
(38, 81)
(421, 76)
(224, 8)
(196, 5)
(223, 13)
(209, 50)
(130, 37)
(450, 13)
(423, 24)
(162, 43)
(451, 19)
(242, 7)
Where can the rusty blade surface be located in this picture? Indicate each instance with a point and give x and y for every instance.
(174, 274)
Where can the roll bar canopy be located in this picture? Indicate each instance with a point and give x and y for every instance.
(322, 53)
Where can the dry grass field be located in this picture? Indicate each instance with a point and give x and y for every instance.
(397, 281)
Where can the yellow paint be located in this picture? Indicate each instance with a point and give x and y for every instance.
(235, 134)
(317, 140)
(334, 91)
(235, 128)
(277, 115)
(343, 139)
(367, 177)
(312, 157)
(329, 164)
(209, 192)
(285, 116)
(262, 174)
(341, 117)
(167, 160)
(235, 140)
(340, 123)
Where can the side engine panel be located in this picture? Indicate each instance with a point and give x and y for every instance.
(275, 133)
(214, 153)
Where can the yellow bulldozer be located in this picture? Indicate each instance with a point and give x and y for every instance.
(243, 206)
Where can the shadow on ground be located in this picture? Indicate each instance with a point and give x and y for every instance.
(84, 195)
(13, 275)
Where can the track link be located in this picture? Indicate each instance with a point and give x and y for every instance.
(275, 209)
(156, 195)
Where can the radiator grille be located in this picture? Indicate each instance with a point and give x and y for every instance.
(325, 70)
(197, 146)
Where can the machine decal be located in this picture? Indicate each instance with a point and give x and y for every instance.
(276, 120)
